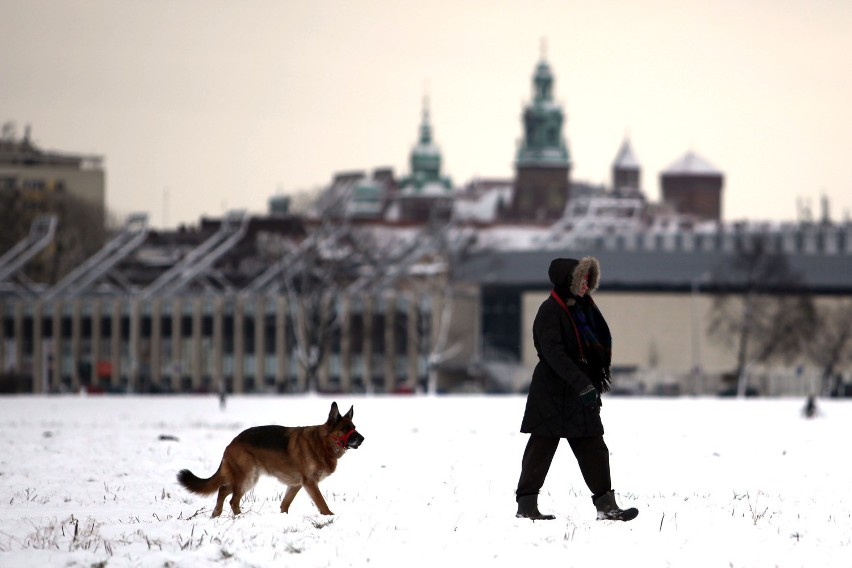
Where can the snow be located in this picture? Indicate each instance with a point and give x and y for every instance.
(693, 164)
(626, 158)
(718, 482)
(428, 189)
(483, 208)
(512, 238)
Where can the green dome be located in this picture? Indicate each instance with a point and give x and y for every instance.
(543, 144)
(425, 162)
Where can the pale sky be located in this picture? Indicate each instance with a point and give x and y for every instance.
(201, 106)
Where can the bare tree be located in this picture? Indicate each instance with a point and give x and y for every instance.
(15, 220)
(80, 231)
(441, 247)
(831, 346)
(775, 317)
(321, 267)
(301, 201)
(342, 260)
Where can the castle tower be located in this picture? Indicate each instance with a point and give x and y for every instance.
(626, 173)
(694, 187)
(542, 164)
(425, 194)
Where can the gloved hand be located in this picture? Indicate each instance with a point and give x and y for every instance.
(589, 396)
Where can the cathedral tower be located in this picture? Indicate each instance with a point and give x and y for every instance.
(425, 194)
(694, 187)
(542, 164)
(626, 173)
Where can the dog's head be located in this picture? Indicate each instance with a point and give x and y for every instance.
(342, 428)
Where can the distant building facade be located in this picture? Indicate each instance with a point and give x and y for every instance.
(657, 291)
(543, 164)
(41, 177)
(694, 187)
(204, 309)
(41, 188)
(626, 172)
(425, 194)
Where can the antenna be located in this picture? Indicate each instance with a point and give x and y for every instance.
(826, 210)
(8, 134)
(165, 207)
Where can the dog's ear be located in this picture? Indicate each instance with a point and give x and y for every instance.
(333, 414)
(351, 413)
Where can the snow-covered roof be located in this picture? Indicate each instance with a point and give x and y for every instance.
(511, 237)
(483, 208)
(428, 189)
(513, 256)
(692, 164)
(626, 159)
(364, 208)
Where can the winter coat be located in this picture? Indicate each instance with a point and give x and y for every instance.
(554, 407)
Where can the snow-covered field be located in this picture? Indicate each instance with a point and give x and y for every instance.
(88, 481)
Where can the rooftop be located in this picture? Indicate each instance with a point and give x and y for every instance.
(692, 164)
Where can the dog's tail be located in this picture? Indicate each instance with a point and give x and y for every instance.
(195, 484)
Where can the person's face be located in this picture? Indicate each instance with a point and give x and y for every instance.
(584, 286)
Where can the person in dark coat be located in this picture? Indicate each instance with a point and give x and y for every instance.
(810, 410)
(574, 348)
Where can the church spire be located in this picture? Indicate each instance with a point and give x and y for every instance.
(543, 143)
(425, 158)
(542, 162)
(626, 171)
(425, 126)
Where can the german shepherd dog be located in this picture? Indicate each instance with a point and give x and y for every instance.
(299, 456)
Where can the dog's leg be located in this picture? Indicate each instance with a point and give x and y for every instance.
(243, 481)
(224, 491)
(312, 488)
(235, 502)
(288, 497)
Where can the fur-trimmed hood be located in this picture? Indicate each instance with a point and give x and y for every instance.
(566, 274)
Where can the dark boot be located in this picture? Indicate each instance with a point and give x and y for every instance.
(608, 510)
(528, 509)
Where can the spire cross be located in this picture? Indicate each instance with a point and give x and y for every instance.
(426, 99)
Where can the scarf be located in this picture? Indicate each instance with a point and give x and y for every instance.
(594, 338)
